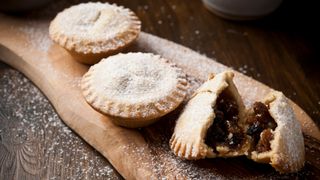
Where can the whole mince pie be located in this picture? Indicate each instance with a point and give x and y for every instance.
(214, 123)
(91, 31)
(134, 89)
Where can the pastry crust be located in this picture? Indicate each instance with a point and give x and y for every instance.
(287, 152)
(134, 88)
(91, 31)
(188, 139)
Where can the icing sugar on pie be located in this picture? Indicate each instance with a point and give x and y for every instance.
(276, 134)
(212, 123)
(134, 88)
(91, 31)
(215, 123)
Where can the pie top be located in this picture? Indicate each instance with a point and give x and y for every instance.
(94, 27)
(134, 85)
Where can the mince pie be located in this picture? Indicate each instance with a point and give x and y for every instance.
(215, 123)
(91, 31)
(134, 88)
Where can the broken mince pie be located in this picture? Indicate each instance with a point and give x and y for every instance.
(212, 123)
(275, 134)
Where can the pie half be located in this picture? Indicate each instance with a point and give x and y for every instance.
(276, 134)
(212, 123)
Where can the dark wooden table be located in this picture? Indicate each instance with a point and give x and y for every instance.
(280, 50)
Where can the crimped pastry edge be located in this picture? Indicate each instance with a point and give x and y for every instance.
(81, 46)
(196, 149)
(135, 112)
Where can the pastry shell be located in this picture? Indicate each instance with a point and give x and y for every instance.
(134, 89)
(287, 152)
(91, 31)
(188, 139)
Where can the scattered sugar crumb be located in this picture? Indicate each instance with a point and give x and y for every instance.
(36, 36)
(35, 126)
(242, 70)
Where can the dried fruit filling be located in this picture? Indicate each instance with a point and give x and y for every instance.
(260, 125)
(225, 130)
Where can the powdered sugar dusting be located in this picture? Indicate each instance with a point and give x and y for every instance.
(289, 130)
(70, 153)
(158, 134)
(180, 55)
(135, 84)
(94, 27)
(31, 123)
(201, 66)
(37, 34)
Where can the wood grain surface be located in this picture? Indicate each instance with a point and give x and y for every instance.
(285, 60)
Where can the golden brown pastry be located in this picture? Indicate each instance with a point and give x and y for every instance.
(212, 123)
(91, 31)
(276, 134)
(134, 88)
(215, 123)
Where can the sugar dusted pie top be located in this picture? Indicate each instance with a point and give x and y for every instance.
(94, 27)
(134, 85)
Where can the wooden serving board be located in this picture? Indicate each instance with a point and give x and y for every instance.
(136, 153)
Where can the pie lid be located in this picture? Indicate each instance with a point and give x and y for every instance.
(94, 28)
(135, 86)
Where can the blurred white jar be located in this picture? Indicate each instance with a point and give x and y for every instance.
(242, 9)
